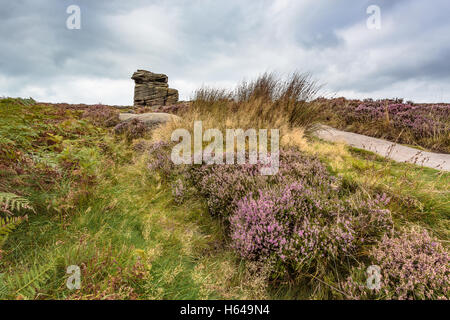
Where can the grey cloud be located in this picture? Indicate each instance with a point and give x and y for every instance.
(222, 41)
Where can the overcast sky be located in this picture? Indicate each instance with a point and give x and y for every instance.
(221, 42)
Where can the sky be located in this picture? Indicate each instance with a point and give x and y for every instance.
(220, 43)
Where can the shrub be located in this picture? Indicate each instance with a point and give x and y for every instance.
(102, 115)
(159, 159)
(422, 121)
(132, 129)
(299, 220)
(422, 124)
(303, 229)
(224, 185)
(413, 266)
(267, 224)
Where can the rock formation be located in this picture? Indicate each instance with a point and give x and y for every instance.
(151, 89)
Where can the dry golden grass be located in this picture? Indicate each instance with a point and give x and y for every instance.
(266, 103)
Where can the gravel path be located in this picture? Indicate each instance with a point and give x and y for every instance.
(387, 149)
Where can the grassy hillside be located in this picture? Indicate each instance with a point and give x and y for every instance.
(142, 229)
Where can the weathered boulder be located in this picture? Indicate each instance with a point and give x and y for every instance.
(150, 119)
(144, 76)
(152, 89)
(172, 96)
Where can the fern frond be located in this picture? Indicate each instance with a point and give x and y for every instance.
(9, 202)
(7, 225)
(30, 283)
(12, 202)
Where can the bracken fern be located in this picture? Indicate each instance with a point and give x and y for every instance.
(10, 203)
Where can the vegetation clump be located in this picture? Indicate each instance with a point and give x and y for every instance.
(413, 265)
(422, 125)
(102, 115)
(132, 129)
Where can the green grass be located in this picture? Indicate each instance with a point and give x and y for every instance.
(108, 215)
(98, 207)
(126, 218)
(419, 195)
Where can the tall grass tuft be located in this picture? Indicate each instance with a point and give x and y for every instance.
(267, 101)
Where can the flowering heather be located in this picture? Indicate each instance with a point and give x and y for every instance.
(422, 124)
(102, 115)
(178, 108)
(413, 266)
(159, 159)
(421, 120)
(301, 227)
(287, 224)
(132, 129)
(370, 217)
(224, 185)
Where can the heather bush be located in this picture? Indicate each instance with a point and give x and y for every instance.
(304, 230)
(300, 220)
(283, 223)
(102, 115)
(132, 129)
(421, 124)
(160, 161)
(371, 219)
(422, 121)
(178, 109)
(413, 265)
(224, 185)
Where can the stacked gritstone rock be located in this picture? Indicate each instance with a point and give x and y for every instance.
(151, 89)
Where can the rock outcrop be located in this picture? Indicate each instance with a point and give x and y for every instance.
(152, 89)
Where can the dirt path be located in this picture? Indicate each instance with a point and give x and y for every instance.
(387, 149)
